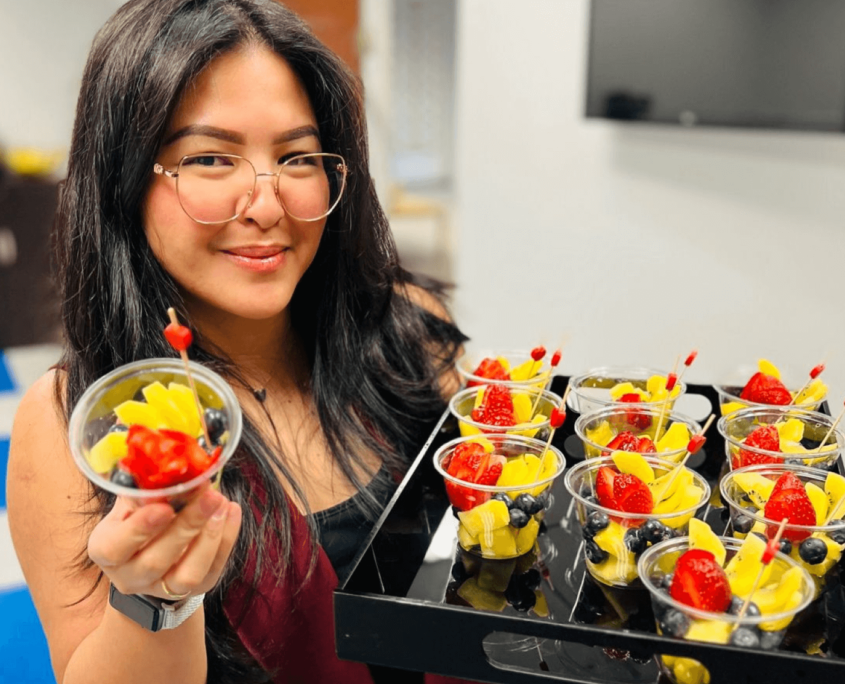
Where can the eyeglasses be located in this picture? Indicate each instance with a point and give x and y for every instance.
(216, 188)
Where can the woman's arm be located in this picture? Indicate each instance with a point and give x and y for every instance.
(50, 515)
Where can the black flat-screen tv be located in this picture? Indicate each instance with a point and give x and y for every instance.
(748, 63)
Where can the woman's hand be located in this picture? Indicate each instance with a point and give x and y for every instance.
(143, 550)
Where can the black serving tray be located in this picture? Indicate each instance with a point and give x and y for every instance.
(398, 610)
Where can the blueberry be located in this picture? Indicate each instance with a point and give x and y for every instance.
(595, 523)
(812, 551)
(531, 579)
(745, 638)
(762, 536)
(736, 605)
(119, 427)
(459, 572)
(520, 597)
(123, 478)
(674, 623)
(654, 531)
(217, 424)
(838, 536)
(785, 546)
(769, 641)
(586, 491)
(528, 504)
(724, 514)
(504, 498)
(742, 523)
(595, 554)
(634, 541)
(542, 434)
(666, 580)
(545, 499)
(519, 518)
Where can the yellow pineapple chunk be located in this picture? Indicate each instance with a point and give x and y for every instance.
(183, 397)
(812, 394)
(500, 543)
(702, 537)
(768, 368)
(612, 540)
(602, 434)
(160, 398)
(791, 430)
(742, 569)
(819, 500)
(485, 518)
(731, 406)
(656, 383)
(505, 364)
(633, 464)
(522, 404)
(834, 486)
(105, 454)
(658, 485)
(482, 599)
(627, 388)
(758, 487)
(466, 538)
(541, 605)
(468, 430)
(139, 413)
(526, 537)
(709, 631)
(525, 370)
(676, 437)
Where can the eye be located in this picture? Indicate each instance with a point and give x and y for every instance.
(299, 159)
(208, 160)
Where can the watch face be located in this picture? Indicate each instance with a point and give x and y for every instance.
(137, 608)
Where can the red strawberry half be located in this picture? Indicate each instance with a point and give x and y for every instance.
(624, 441)
(491, 369)
(764, 437)
(605, 478)
(796, 507)
(632, 494)
(699, 581)
(496, 407)
(787, 481)
(646, 446)
(637, 418)
(765, 389)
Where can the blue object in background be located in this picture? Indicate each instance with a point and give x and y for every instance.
(24, 656)
(6, 382)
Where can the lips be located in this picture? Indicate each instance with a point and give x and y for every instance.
(255, 251)
(261, 259)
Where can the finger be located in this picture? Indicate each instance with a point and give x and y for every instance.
(194, 572)
(153, 562)
(227, 543)
(124, 531)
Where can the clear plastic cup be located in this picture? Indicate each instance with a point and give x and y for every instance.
(729, 391)
(598, 429)
(738, 425)
(502, 521)
(590, 391)
(94, 416)
(685, 622)
(614, 540)
(536, 403)
(816, 548)
(468, 363)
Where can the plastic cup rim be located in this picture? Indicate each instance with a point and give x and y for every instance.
(730, 544)
(210, 377)
(617, 408)
(722, 391)
(528, 441)
(813, 473)
(524, 354)
(467, 391)
(596, 463)
(610, 371)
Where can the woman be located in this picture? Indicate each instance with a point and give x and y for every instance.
(196, 122)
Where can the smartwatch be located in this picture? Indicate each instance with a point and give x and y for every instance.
(152, 613)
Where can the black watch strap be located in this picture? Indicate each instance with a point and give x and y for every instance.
(151, 612)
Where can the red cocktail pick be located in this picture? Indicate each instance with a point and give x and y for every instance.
(688, 361)
(671, 380)
(179, 336)
(557, 418)
(556, 358)
(817, 371)
(538, 353)
(695, 443)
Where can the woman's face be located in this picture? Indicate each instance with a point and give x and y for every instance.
(248, 103)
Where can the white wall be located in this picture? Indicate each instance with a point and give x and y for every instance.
(641, 242)
(42, 52)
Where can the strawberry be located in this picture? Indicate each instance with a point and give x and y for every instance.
(605, 478)
(624, 441)
(765, 389)
(489, 469)
(699, 581)
(496, 407)
(466, 457)
(795, 506)
(464, 498)
(632, 494)
(638, 419)
(764, 437)
(787, 481)
(646, 446)
(490, 369)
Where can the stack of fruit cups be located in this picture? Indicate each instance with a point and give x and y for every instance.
(137, 433)
(783, 434)
(765, 389)
(698, 586)
(601, 387)
(813, 501)
(513, 368)
(486, 409)
(626, 427)
(627, 502)
(500, 487)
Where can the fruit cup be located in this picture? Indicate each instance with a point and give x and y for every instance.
(759, 497)
(631, 427)
(602, 387)
(627, 502)
(498, 408)
(770, 435)
(500, 486)
(512, 368)
(765, 389)
(136, 432)
(724, 570)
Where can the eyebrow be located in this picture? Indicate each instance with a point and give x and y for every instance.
(233, 137)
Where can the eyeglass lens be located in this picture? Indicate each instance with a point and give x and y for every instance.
(214, 188)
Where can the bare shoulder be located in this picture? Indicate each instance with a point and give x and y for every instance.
(424, 299)
(48, 500)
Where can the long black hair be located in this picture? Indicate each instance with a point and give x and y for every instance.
(375, 357)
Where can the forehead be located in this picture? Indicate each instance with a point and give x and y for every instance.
(252, 91)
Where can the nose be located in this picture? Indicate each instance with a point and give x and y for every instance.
(263, 207)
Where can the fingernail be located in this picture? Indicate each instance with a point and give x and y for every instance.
(211, 501)
(220, 514)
